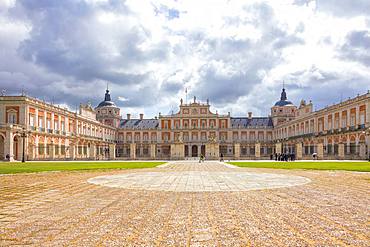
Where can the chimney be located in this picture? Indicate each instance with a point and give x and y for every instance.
(128, 116)
(250, 115)
(141, 116)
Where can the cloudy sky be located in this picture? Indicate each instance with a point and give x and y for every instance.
(236, 53)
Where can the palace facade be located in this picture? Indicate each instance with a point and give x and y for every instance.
(37, 130)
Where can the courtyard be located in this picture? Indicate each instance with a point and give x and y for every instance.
(185, 203)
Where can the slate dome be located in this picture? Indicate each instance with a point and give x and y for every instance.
(107, 101)
(283, 100)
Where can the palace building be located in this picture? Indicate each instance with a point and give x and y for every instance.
(36, 130)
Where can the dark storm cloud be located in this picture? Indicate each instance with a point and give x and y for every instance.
(63, 41)
(68, 54)
(357, 47)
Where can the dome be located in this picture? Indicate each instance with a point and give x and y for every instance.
(283, 103)
(107, 101)
(283, 100)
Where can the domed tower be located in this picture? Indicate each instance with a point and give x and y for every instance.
(283, 110)
(107, 112)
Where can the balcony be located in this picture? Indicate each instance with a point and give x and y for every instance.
(41, 129)
(32, 128)
(361, 126)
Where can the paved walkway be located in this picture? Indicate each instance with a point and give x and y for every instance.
(199, 177)
(63, 209)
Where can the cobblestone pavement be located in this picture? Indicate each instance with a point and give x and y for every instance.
(63, 209)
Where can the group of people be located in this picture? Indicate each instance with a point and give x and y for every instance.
(283, 157)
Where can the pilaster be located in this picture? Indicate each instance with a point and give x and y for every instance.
(237, 150)
(112, 151)
(320, 151)
(341, 150)
(152, 151)
(132, 151)
(299, 151)
(257, 149)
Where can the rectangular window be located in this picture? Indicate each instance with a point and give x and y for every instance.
(12, 118)
(32, 119)
(41, 122)
(362, 119)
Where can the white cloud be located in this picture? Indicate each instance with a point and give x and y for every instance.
(237, 53)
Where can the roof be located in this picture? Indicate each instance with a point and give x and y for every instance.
(139, 124)
(107, 101)
(283, 99)
(255, 122)
(283, 103)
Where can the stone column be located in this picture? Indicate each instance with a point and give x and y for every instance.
(72, 150)
(320, 151)
(257, 150)
(8, 145)
(152, 151)
(237, 150)
(299, 151)
(112, 151)
(92, 151)
(278, 147)
(52, 151)
(362, 151)
(341, 150)
(132, 151)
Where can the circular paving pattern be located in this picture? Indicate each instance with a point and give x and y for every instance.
(199, 181)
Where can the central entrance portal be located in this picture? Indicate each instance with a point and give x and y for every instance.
(194, 151)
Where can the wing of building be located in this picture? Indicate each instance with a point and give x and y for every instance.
(49, 132)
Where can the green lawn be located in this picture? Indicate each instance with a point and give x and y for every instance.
(7, 168)
(317, 165)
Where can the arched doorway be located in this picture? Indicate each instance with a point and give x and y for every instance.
(186, 151)
(203, 150)
(15, 147)
(194, 151)
(2, 146)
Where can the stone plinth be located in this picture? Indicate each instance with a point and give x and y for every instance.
(177, 151)
(212, 151)
(132, 151)
(257, 149)
(237, 150)
(299, 151)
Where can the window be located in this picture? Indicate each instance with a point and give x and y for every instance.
(32, 120)
(362, 119)
(12, 117)
(41, 122)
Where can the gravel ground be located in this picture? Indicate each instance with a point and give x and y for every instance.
(63, 209)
